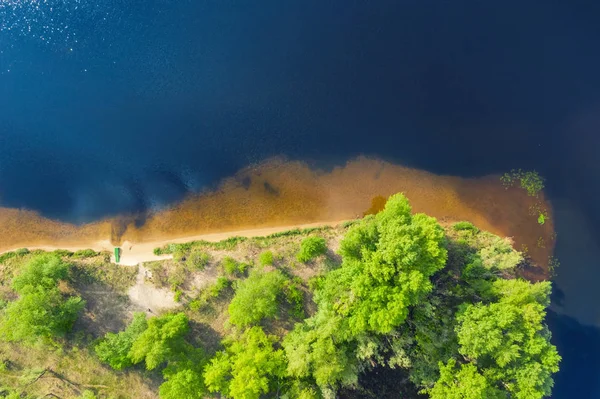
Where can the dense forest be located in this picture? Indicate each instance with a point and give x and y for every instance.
(394, 305)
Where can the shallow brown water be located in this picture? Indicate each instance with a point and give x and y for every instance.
(279, 192)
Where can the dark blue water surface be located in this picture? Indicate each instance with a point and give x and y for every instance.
(112, 106)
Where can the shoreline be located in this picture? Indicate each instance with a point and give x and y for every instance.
(288, 194)
(134, 253)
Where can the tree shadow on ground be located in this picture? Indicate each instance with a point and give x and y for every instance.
(203, 335)
(105, 310)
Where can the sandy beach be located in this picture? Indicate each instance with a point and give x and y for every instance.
(277, 195)
(135, 253)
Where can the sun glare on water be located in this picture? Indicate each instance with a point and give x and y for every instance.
(51, 22)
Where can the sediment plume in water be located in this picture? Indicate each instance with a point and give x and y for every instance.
(279, 192)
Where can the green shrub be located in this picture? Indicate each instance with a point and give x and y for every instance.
(41, 271)
(7, 256)
(197, 260)
(22, 251)
(42, 311)
(179, 255)
(114, 348)
(265, 258)
(499, 254)
(227, 244)
(232, 267)
(85, 253)
(209, 293)
(350, 223)
(178, 295)
(229, 265)
(310, 248)
(256, 298)
(249, 367)
(465, 226)
(63, 253)
(218, 287)
(87, 394)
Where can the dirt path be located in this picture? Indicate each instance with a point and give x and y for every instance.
(135, 253)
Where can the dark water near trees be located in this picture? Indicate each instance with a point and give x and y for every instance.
(108, 107)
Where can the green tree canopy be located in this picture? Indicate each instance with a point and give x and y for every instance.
(508, 341)
(39, 313)
(41, 271)
(247, 368)
(114, 348)
(256, 298)
(319, 349)
(42, 310)
(387, 262)
(183, 375)
(463, 382)
(161, 341)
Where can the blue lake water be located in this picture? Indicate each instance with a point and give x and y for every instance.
(109, 107)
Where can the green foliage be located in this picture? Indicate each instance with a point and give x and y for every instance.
(318, 349)
(181, 249)
(310, 248)
(87, 394)
(227, 244)
(541, 218)
(41, 271)
(63, 253)
(22, 252)
(218, 287)
(248, 367)
(12, 394)
(161, 340)
(298, 232)
(183, 375)
(187, 383)
(256, 298)
(465, 226)
(232, 267)
(508, 341)
(445, 306)
(179, 254)
(176, 278)
(41, 311)
(350, 223)
(197, 260)
(530, 181)
(209, 293)
(294, 296)
(499, 254)
(114, 348)
(85, 253)
(265, 258)
(6, 256)
(103, 271)
(388, 260)
(463, 382)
